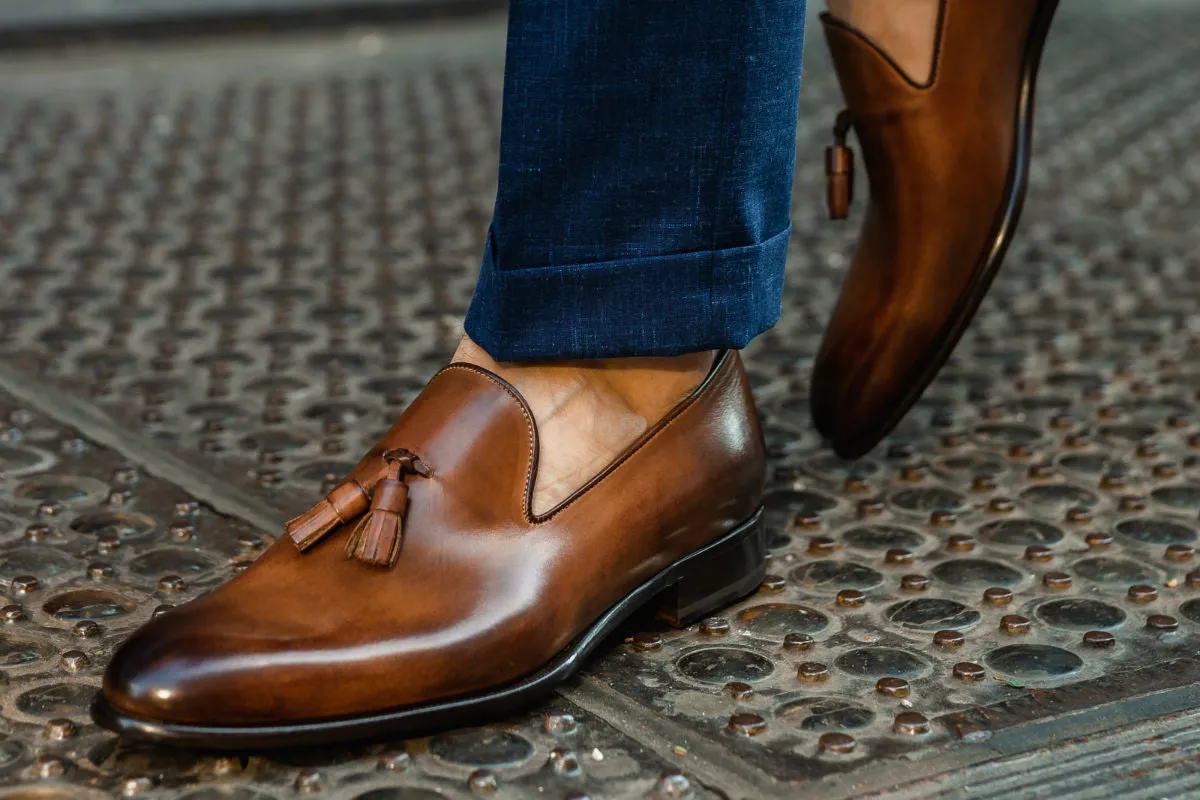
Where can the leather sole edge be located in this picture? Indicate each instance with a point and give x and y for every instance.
(688, 578)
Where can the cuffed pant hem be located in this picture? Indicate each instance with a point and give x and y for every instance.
(659, 306)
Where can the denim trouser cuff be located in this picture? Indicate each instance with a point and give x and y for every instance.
(657, 306)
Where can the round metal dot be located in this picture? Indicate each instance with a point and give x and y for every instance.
(870, 508)
(1099, 639)
(161, 609)
(1192, 579)
(911, 723)
(812, 672)
(984, 483)
(1058, 581)
(483, 781)
(181, 531)
(47, 766)
(1078, 516)
(854, 485)
(837, 743)
(1110, 482)
(739, 691)
(747, 724)
(101, 572)
(821, 545)
(308, 781)
(1001, 505)
(1180, 552)
(914, 583)
(1099, 541)
(1162, 623)
(897, 556)
(49, 508)
(74, 660)
(171, 583)
(797, 641)
(645, 642)
(806, 520)
(560, 724)
(38, 531)
(1131, 503)
(393, 761)
(772, 583)
(564, 763)
(851, 598)
(12, 613)
(671, 785)
(1020, 451)
(968, 671)
(893, 687)
(997, 596)
(61, 729)
(942, 518)
(1141, 593)
(1040, 472)
(948, 640)
(1038, 552)
(715, 626)
(86, 629)
(960, 543)
(1014, 624)
(24, 584)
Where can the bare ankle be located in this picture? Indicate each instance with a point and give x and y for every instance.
(588, 411)
(904, 29)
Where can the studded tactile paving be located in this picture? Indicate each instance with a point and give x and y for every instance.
(196, 241)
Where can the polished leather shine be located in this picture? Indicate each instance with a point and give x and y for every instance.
(481, 593)
(945, 164)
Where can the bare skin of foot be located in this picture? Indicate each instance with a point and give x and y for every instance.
(904, 29)
(587, 412)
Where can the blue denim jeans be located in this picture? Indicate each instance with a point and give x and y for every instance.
(646, 157)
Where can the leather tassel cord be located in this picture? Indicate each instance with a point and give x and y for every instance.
(379, 506)
(839, 169)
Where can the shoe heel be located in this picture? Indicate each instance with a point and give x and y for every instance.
(726, 570)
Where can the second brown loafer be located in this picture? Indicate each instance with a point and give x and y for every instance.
(947, 165)
(422, 593)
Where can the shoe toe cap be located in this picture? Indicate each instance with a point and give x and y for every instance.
(154, 676)
(172, 672)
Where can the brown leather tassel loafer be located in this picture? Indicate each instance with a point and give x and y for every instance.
(947, 165)
(423, 594)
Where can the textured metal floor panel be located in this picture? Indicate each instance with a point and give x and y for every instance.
(194, 240)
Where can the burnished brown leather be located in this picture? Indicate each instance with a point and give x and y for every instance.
(481, 592)
(942, 166)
